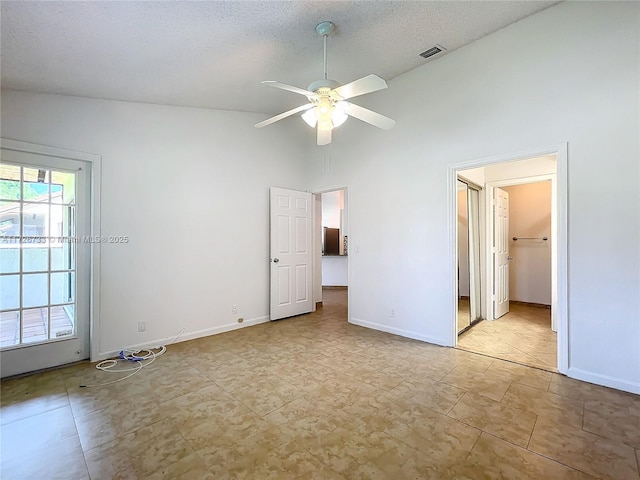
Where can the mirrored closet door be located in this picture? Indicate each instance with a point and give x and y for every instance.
(469, 287)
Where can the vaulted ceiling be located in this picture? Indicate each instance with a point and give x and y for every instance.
(214, 53)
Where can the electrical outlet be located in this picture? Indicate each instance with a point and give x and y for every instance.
(392, 313)
(142, 326)
(234, 308)
(240, 320)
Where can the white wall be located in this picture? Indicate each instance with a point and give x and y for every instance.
(530, 216)
(531, 167)
(568, 74)
(334, 271)
(190, 189)
(331, 209)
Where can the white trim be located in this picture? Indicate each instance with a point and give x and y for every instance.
(562, 257)
(522, 180)
(452, 239)
(561, 237)
(19, 146)
(605, 380)
(329, 190)
(397, 331)
(96, 172)
(184, 337)
(316, 263)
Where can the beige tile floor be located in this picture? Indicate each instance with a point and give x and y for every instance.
(523, 336)
(314, 397)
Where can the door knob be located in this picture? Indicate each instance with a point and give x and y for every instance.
(276, 260)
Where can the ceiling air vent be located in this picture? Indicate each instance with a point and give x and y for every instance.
(435, 50)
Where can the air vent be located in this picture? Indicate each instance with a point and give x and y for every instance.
(435, 50)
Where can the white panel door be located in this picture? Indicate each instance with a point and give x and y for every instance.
(291, 253)
(501, 253)
(44, 261)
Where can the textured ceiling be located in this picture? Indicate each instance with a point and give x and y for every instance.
(214, 54)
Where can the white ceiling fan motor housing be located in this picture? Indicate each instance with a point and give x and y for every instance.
(325, 83)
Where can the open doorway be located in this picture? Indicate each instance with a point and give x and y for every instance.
(332, 243)
(518, 273)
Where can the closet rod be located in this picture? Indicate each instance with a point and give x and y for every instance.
(515, 239)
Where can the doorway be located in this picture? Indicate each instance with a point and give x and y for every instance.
(45, 258)
(546, 171)
(331, 239)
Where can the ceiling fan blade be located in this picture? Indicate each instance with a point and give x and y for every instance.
(370, 116)
(324, 136)
(286, 114)
(368, 84)
(290, 88)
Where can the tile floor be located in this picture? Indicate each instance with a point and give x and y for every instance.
(523, 336)
(314, 397)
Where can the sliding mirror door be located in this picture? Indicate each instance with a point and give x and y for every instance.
(463, 258)
(469, 287)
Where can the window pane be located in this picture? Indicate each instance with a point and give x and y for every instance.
(62, 224)
(35, 258)
(9, 328)
(62, 254)
(9, 182)
(9, 292)
(34, 290)
(35, 219)
(35, 325)
(63, 287)
(9, 258)
(35, 185)
(37, 233)
(9, 221)
(63, 187)
(62, 322)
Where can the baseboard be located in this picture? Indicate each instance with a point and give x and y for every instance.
(531, 304)
(604, 380)
(397, 331)
(184, 337)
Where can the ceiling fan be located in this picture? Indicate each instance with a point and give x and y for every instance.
(327, 107)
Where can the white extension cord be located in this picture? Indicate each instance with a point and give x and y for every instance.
(140, 358)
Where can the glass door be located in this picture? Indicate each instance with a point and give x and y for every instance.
(44, 253)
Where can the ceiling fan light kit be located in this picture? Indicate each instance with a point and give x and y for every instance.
(327, 108)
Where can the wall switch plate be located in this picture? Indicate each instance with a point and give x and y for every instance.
(142, 326)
